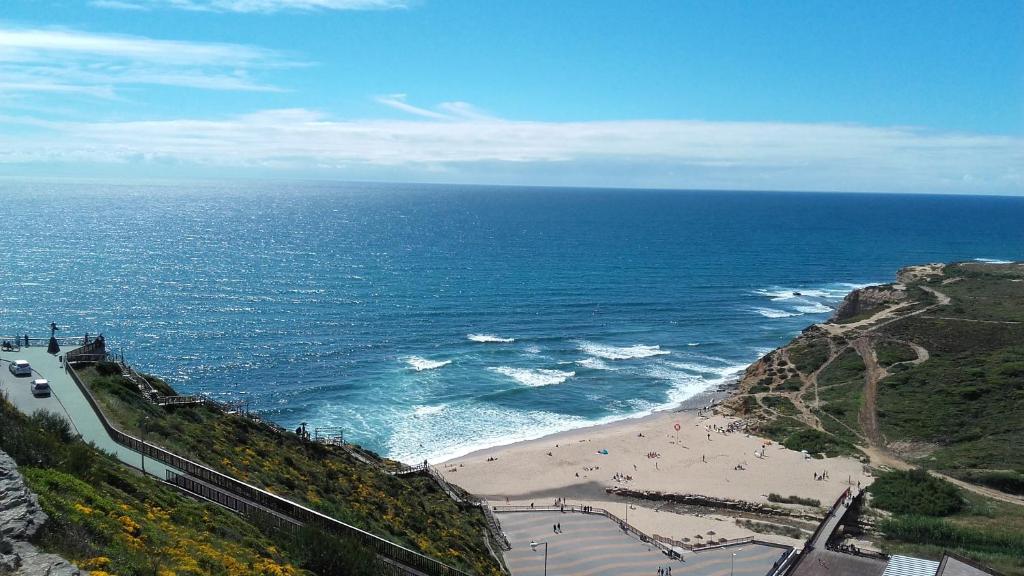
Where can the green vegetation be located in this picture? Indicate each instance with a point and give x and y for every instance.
(890, 353)
(411, 511)
(769, 528)
(791, 385)
(983, 529)
(847, 367)
(967, 402)
(773, 497)
(109, 519)
(808, 355)
(780, 404)
(915, 492)
(1009, 481)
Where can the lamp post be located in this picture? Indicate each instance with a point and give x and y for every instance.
(533, 546)
(732, 561)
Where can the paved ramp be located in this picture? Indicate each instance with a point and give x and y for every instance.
(66, 400)
(593, 545)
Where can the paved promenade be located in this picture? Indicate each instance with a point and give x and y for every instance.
(66, 400)
(591, 544)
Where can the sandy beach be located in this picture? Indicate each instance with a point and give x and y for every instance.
(649, 454)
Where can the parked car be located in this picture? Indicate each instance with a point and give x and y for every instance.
(40, 387)
(20, 368)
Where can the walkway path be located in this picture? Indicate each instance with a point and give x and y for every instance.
(66, 399)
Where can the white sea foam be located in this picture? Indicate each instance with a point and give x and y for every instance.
(816, 308)
(532, 350)
(693, 343)
(489, 338)
(534, 377)
(834, 291)
(421, 364)
(594, 364)
(621, 352)
(691, 367)
(992, 261)
(775, 313)
(428, 410)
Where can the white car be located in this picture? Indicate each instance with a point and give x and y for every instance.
(20, 368)
(40, 387)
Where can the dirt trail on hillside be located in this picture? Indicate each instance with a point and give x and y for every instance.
(868, 416)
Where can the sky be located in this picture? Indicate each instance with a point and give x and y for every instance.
(847, 96)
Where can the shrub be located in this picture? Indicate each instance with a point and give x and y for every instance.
(915, 492)
(773, 497)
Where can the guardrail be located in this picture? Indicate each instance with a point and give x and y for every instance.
(419, 563)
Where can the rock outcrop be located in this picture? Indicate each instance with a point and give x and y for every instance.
(869, 299)
(20, 518)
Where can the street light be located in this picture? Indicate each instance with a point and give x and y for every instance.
(533, 546)
(732, 561)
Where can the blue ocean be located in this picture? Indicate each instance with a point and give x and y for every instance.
(427, 321)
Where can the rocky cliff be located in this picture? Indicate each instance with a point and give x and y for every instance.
(20, 519)
(869, 299)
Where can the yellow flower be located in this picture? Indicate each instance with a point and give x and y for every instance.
(95, 563)
(83, 508)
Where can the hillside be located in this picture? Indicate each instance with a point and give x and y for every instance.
(409, 510)
(926, 372)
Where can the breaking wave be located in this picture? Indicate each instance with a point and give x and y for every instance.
(420, 364)
(534, 377)
(594, 364)
(621, 352)
(992, 261)
(428, 410)
(489, 338)
(775, 313)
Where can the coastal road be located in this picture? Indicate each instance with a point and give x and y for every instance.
(68, 401)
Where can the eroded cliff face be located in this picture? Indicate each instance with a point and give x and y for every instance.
(20, 518)
(869, 299)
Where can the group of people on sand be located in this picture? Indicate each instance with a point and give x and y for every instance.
(654, 455)
(822, 476)
(666, 571)
(620, 477)
(557, 528)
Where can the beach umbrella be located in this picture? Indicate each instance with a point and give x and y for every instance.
(685, 539)
(711, 532)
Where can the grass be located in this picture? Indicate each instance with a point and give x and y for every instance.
(411, 511)
(1009, 481)
(769, 528)
(890, 352)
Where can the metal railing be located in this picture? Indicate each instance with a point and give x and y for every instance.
(419, 563)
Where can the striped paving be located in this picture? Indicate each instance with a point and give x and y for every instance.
(590, 544)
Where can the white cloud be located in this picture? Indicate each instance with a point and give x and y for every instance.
(259, 6)
(49, 60)
(445, 110)
(671, 153)
(397, 101)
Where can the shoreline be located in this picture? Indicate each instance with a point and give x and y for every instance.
(701, 400)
